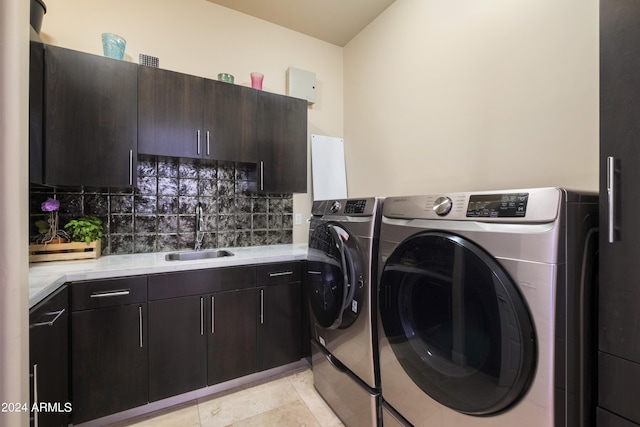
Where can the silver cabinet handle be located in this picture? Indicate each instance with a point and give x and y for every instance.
(282, 273)
(262, 306)
(611, 197)
(201, 315)
(198, 136)
(140, 324)
(109, 294)
(130, 167)
(35, 394)
(261, 175)
(57, 315)
(213, 315)
(208, 144)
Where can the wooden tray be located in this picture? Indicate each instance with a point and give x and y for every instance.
(64, 251)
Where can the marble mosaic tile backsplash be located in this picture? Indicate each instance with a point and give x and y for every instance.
(159, 215)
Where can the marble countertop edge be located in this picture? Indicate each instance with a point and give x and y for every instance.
(44, 278)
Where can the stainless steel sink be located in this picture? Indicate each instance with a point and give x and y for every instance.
(193, 255)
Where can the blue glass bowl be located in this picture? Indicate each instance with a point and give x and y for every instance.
(113, 45)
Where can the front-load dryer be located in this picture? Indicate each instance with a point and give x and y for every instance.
(341, 290)
(486, 305)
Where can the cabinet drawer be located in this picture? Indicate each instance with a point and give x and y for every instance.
(618, 381)
(198, 282)
(607, 419)
(272, 274)
(46, 311)
(107, 293)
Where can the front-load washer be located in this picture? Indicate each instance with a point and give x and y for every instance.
(341, 289)
(486, 305)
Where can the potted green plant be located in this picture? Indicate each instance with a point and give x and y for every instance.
(86, 229)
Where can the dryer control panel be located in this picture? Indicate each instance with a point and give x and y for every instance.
(507, 205)
(531, 205)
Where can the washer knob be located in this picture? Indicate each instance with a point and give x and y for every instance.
(442, 206)
(335, 207)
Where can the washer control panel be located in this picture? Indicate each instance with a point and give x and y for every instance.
(347, 207)
(355, 206)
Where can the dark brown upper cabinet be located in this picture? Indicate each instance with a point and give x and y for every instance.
(187, 116)
(282, 144)
(170, 113)
(90, 135)
(230, 121)
(36, 111)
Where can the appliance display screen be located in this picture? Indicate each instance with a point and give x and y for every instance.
(513, 205)
(355, 206)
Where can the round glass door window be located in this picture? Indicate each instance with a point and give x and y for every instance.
(332, 274)
(457, 323)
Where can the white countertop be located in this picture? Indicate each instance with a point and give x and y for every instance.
(46, 277)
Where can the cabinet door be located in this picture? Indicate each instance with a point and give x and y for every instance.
(170, 113)
(619, 129)
(229, 122)
(231, 345)
(91, 119)
(177, 346)
(49, 358)
(36, 111)
(619, 293)
(109, 360)
(281, 135)
(279, 325)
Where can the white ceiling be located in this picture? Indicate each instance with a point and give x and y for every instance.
(334, 21)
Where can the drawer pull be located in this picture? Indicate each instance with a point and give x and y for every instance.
(282, 273)
(213, 315)
(57, 315)
(140, 331)
(36, 401)
(109, 294)
(201, 316)
(262, 306)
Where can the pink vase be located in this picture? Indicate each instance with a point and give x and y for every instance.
(256, 80)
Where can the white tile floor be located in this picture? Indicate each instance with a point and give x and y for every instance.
(287, 400)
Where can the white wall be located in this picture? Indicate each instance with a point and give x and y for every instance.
(201, 38)
(462, 95)
(14, 207)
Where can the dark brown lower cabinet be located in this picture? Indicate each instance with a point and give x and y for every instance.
(202, 329)
(177, 346)
(279, 318)
(108, 347)
(109, 361)
(231, 345)
(49, 360)
(142, 339)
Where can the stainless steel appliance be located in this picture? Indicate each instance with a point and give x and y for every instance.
(341, 283)
(486, 308)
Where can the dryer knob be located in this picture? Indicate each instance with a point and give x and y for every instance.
(335, 207)
(442, 206)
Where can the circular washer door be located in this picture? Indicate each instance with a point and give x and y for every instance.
(457, 323)
(333, 268)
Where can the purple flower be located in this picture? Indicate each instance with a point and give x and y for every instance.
(50, 205)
